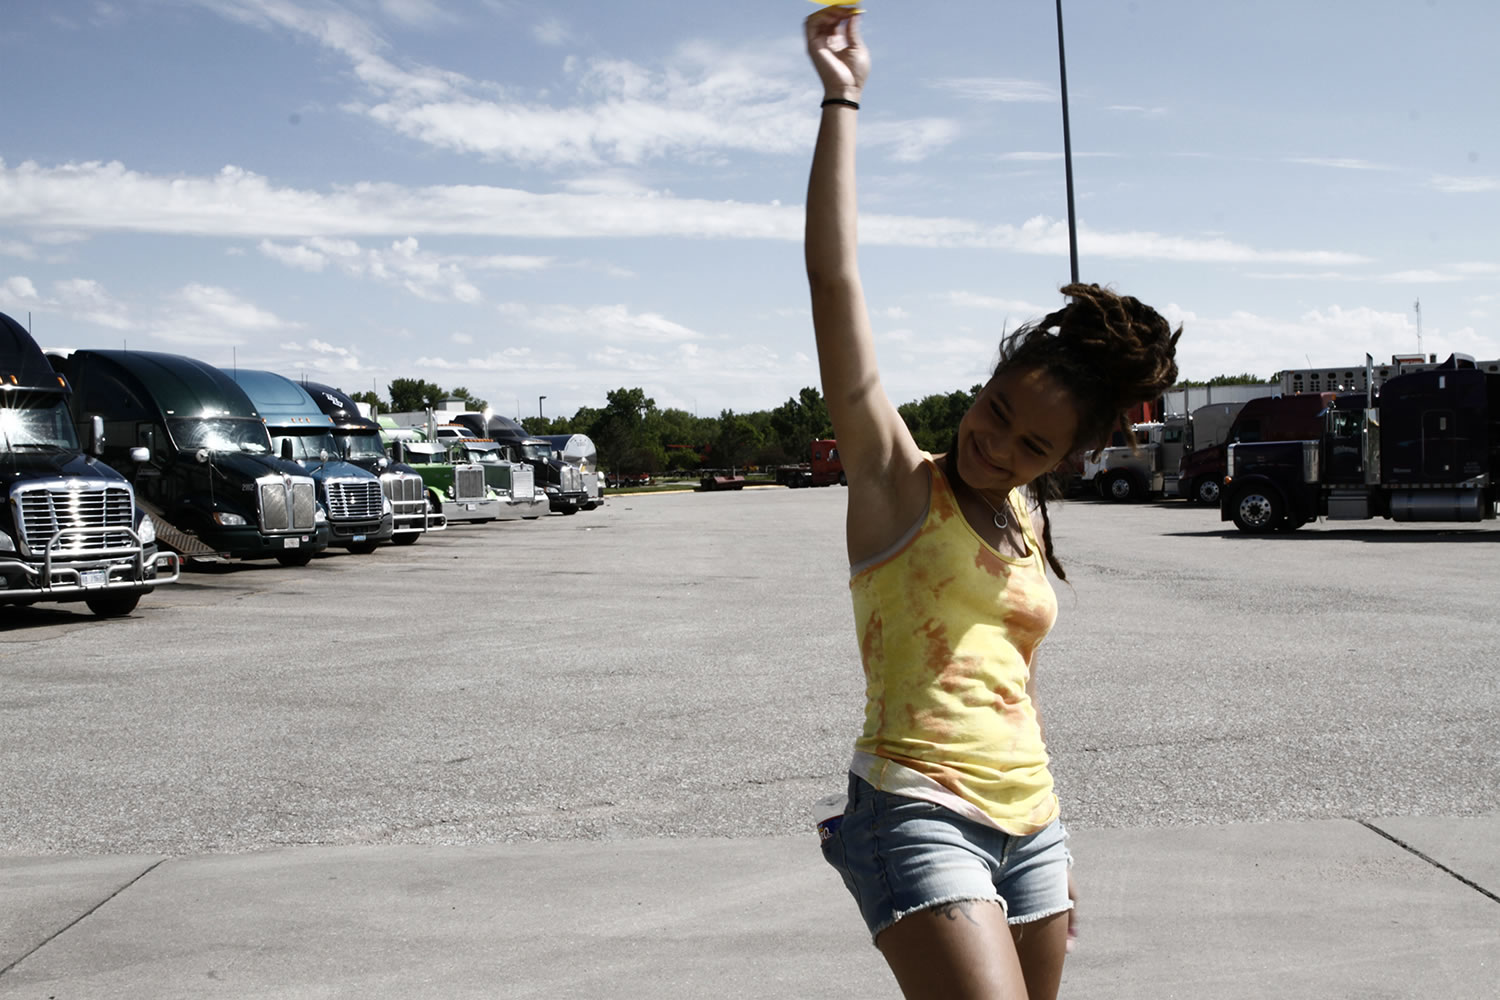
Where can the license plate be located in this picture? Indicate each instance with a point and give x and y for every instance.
(471, 506)
(359, 538)
(290, 543)
(94, 578)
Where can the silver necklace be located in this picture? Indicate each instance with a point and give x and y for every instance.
(1001, 521)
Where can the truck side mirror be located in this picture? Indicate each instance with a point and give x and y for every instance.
(96, 439)
(322, 454)
(382, 464)
(286, 449)
(397, 452)
(139, 455)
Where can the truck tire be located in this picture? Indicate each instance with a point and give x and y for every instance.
(843, 479)
(1257, 510)
(113, 605)
(364, 548)
(406, 538)
(1121, 488)
(294, 557)
(1206, 491)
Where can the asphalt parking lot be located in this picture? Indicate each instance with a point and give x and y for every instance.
(683, 665)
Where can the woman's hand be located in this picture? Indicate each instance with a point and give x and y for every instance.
(840, 58)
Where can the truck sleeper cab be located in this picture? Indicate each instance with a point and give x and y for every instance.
(198, 455)
(70, 529)
(358, 512)
(512, 483)
(578, 450)
(359, 442)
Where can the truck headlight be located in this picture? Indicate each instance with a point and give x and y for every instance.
(147, 530)
(550, 488)
(223, 518)
(7, 544)
(385, 506)
(320, 516)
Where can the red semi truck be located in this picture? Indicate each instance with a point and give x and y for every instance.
(824, 469)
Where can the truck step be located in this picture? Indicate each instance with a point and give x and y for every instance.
(175, 538)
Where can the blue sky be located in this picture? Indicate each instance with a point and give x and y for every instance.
(562, 199)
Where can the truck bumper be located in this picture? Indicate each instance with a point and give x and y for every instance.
(566, 503)
(250, 543)
(347, 533)
(471, 510)
(24, 581)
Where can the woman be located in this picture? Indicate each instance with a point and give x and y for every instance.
(951, 842)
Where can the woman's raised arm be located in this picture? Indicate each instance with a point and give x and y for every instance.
(877, 449)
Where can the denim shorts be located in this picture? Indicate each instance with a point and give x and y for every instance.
(898, 855)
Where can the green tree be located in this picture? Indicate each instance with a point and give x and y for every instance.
(794, 425)
(410, 394)
(933, 420)
(1244, 378)
(739, 440)
(377, 404)
(627, 433)
(471, 401)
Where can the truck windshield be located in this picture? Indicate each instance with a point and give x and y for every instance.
(308, 447)
(488, 456)
(361, 447)
(37, 425)
(536, 452)
(220, 434)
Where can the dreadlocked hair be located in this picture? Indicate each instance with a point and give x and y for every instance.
(1110, 352)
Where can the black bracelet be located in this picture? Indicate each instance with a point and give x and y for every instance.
(844, 101)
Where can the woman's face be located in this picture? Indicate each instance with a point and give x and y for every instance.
(1020, 427)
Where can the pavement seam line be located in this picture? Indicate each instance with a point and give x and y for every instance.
(1430, 860)
(84, 915)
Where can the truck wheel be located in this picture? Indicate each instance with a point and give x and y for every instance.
(1206, 491)
(112, 605)
(406, 538)
(570, 510)
(1120, 488)
(1258, 511)
(294, 557)
(364, 548)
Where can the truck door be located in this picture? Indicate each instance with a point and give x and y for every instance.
(1343, 444)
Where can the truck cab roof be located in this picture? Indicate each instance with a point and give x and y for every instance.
(282, 402)
(22, 363)
(341, 409)
(175, 385)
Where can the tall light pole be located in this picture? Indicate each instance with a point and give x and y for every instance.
(1062, 72)
(539, 407)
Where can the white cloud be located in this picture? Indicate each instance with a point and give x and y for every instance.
(14, 248)
(1137, 109)
(430, 276)
(206, 315)
(461, 338)
(1004, 89)
(1018, 307)
(1465, 185)
(234, 202)
(610, 323)
(319, 355)
(1338, 163)
(18, 289)
(303, 257)
(551, 31)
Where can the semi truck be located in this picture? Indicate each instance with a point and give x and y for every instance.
(1208, 428)
(1426, 448)
(579, 451)
(513, 484)
(561, 481)
(198, 454)
(359, 443)
(358, 513)
(823, 468)
(70, 529)
(1267, 418)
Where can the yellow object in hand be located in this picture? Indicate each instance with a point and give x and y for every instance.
(856, 8)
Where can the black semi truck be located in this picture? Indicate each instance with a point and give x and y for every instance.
(358, 438)
(561, 480)
(1426, 449)
(70, 529)
(199, 455)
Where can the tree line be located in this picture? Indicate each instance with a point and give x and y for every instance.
(634, 435)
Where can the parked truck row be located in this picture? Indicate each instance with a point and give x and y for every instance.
(119, 466)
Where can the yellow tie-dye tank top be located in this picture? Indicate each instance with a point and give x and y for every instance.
(947, 630)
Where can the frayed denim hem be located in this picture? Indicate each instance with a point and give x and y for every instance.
(1029, 918)
(961, 898)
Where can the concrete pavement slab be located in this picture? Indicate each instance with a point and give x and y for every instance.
(41, 896)
(1322, 909)
(1469, 845)
(1325, 909)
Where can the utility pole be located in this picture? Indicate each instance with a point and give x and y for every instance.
(1418, 307)
(539, 407)
(1062, 72)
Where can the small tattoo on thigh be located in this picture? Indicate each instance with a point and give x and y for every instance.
(962, 908)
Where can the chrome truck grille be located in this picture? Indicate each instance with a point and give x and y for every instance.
(49, 508)
(571, 480)
(468, 483)
(287, 503)
(353, 499)
(405, 493)
(523, 481)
